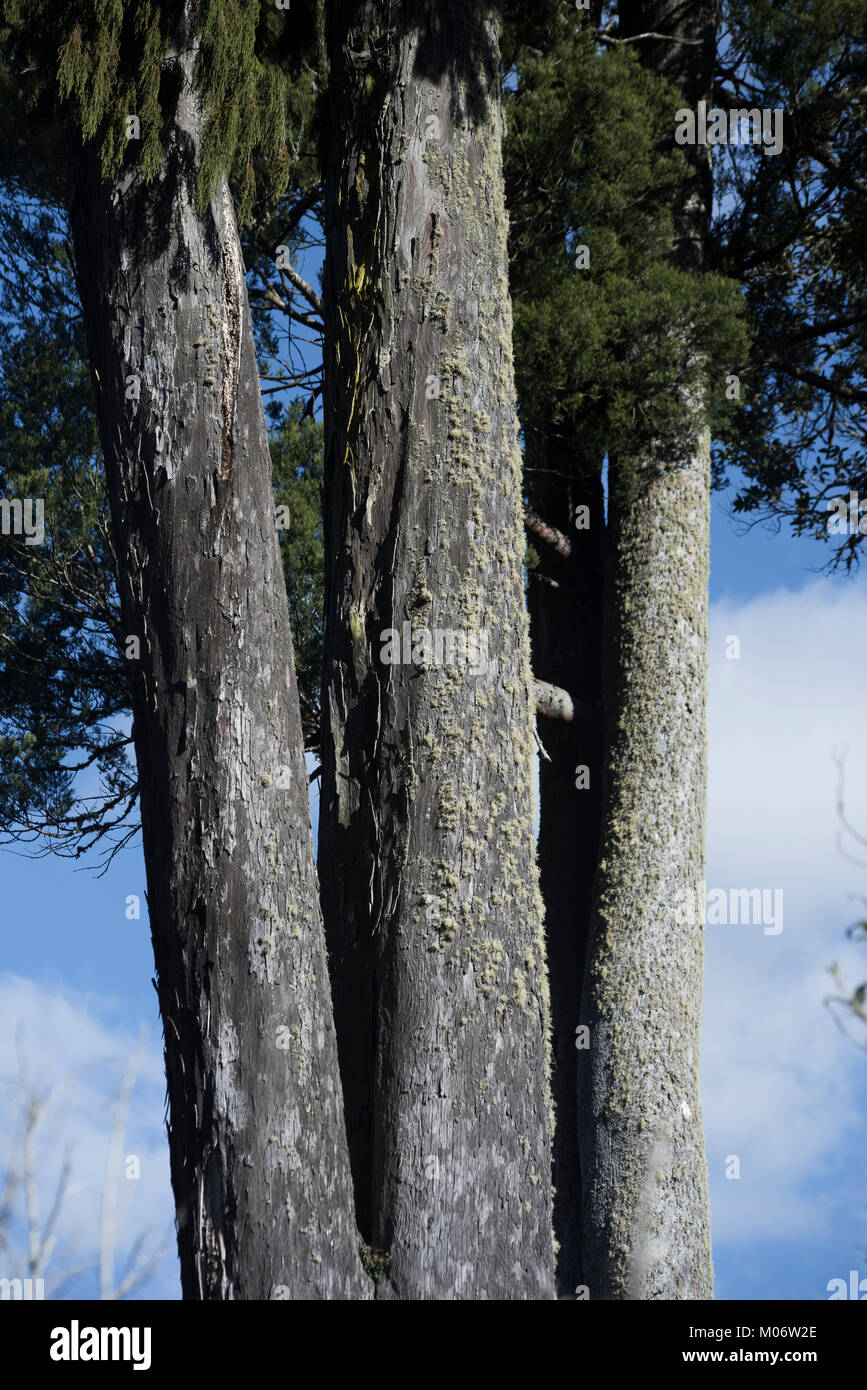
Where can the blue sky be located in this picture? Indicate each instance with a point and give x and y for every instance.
(782, 1090)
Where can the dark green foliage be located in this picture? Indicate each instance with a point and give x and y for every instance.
(296, 453)
(257, 72)
(63, 693)
(794, 228)
(98, 62)
(590, 162)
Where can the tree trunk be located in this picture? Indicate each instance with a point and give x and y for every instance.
(646, 1219)
(257, 1142)
(565, 628)
(426, 843)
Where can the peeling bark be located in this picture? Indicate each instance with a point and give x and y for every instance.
(646, 1217)
(257, 1142)
(426, 841)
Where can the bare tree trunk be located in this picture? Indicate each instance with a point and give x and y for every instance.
(258, 1152)
(646, 1217)
(426, 842)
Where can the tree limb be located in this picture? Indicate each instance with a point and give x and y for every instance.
(818, 330)
(552, 701)
(302, 287)
(824, 383)
(637, 38)
(556, 539)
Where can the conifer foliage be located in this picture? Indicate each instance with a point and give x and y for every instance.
(104, 66)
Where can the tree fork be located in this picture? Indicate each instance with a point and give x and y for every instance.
(426, 850)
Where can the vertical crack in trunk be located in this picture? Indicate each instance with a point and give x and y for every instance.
(566, 635)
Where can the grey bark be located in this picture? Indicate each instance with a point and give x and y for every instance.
(426, 841)
(259, 1161)
(646, 1217)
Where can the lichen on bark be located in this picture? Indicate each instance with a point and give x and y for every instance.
(646, 1226)
(426, 839)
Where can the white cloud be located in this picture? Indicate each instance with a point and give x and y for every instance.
(76, 1053)
(782, 1089)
